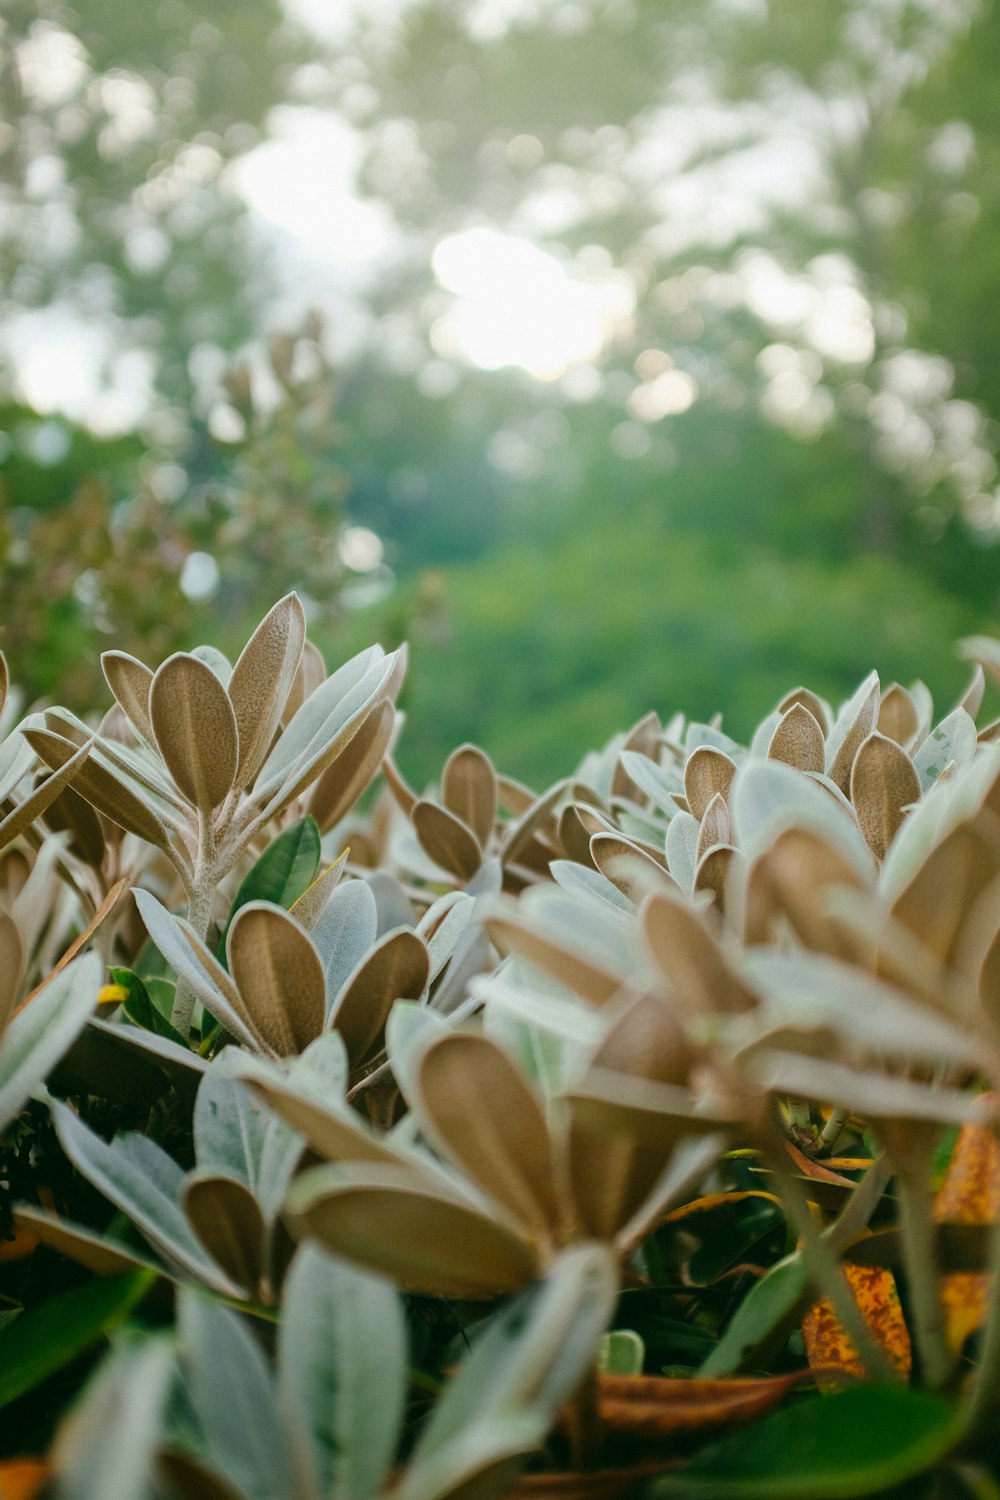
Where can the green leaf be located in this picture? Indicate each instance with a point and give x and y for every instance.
(139, 1178)
(44, 1030)
(769, 1307)
(233, 1391)
(229, 1122)
(737, 1232)
(127, 1397)
(44, 1340)
(139, 1007)
(342, 1372)
(954, 739)
(192, 961)
(523, 1366)
(832, 1447)
(286, 869)
(621, 1352)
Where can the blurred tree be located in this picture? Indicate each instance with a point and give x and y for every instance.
(93, 554)
(118, 125)
(769, 179)
(182, 494)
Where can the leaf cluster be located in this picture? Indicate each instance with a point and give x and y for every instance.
(663, 1101)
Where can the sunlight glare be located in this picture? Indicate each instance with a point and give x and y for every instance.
(517, 305)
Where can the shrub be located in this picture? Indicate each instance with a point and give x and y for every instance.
(662, 1103)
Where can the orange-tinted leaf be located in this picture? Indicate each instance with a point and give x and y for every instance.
(713, 1201)
(654, 1407)
(970, 1194)
(22, 1478)
(17, 1248)
(828, 1346)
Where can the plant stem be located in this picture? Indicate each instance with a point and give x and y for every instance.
(910, 1146)
(832, 1131)
(984, 1396)
(916, 1223)
(800, 1124)
(825, 1267)
(584, 1421)
(199, 915)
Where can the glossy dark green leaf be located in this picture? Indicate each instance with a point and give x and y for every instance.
(41, 1341)
(738, 1237)
(139, 1007)
(285, 870)
(832, 1447)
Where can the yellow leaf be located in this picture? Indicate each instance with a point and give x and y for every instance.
(970, 1194)
(828, 1346)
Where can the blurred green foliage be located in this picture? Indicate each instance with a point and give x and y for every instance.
(567, 556)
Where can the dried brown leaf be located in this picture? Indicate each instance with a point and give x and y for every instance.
(446, 840)
(650, 1408)
(349, 776)
(697, 974)
(708, 773)
(102, 789)
(397, 968)
(897, 716)
(225, 1216)
(279, 976)
(481, 1114)
(798, 740)
(427, 1243)
(130, 680)
(884, 781)
(469, 790)
(261, 681)
(195, 729)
